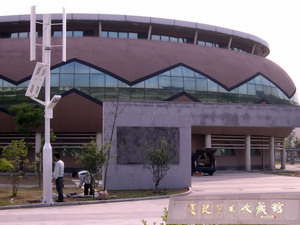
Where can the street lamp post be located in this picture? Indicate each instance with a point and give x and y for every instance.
(42, 73)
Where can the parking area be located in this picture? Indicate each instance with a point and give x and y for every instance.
(244, 182)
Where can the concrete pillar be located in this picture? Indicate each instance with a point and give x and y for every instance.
(149, 32)
(272, 153)
(229, 43)
(99, 139)
(283, 158)
(253, 49)
(100, 29)
(195, 37)
(248, 154)
(38, 144)
(208, 140)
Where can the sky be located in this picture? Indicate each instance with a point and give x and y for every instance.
(275, 21)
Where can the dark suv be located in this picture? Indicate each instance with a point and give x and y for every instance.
(204, 161)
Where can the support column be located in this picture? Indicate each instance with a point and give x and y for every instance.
(283, 157)
(248, 154)
(229, 43)
(100, 29)
(272, 153)
(149, 32)
(195, 37)
(208, 140)
(99, 139)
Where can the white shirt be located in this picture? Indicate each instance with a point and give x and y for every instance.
(58, 169)
(84, 177)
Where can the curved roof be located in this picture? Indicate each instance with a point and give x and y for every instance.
(134, 60)
(222, 36)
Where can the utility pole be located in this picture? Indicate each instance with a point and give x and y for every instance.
(42, 73)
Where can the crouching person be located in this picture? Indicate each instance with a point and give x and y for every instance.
(84, 178)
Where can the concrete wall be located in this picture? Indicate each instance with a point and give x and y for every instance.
(183, 116)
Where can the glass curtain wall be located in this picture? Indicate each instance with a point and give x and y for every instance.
(102, 86)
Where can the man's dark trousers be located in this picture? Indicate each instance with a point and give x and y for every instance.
(59, 182)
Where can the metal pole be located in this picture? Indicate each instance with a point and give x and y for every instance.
(47, 150)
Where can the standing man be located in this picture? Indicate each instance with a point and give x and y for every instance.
(84, 178)
(58, 177)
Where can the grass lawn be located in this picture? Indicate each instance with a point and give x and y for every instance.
(30, 195)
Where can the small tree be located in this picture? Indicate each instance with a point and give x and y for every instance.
(16, 154)
(93, 159)
(28, 116)
(115, 111)
(290, 139)
(5, 165)
(157, 158)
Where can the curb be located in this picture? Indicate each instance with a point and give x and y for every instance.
(40, 205)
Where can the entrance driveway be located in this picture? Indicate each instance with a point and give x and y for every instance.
(133, 212)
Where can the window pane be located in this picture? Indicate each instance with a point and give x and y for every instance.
(258, 80)
(137, 93)
(176, 72)
(124, 85)
(80, 68)
(198, 75)
(23, 35)
(67, 68)
(95, 71)
(67, 80)
(189, 84)
(97, 80)
(187, 72)
(14, 35)
(267, 90)
(155, 37)
(223, 90)
(133, 35)
(69, 33)
(139, 85)
(251, 89)
(78, 34)
(112, 34)
(177, 83)
(164, 82)
(57, 34)
(274, 91)
(104, 34)
(152, 82)
(123, 35)
(212, 86)
(81, 80)
(151, 94)
(110, 81)
(173, 39)
(97, 93)
(8, 85)
(56, 70)
(265, 82)
(201, 84)
(54, 80)
(164, 38)
(243, 89)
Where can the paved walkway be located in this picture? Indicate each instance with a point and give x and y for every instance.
(133, 212)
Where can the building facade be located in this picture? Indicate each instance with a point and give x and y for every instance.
(204, 86)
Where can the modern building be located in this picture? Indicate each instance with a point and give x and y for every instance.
(195, 84)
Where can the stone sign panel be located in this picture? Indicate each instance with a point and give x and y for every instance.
(131, 141)
(268, 208)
